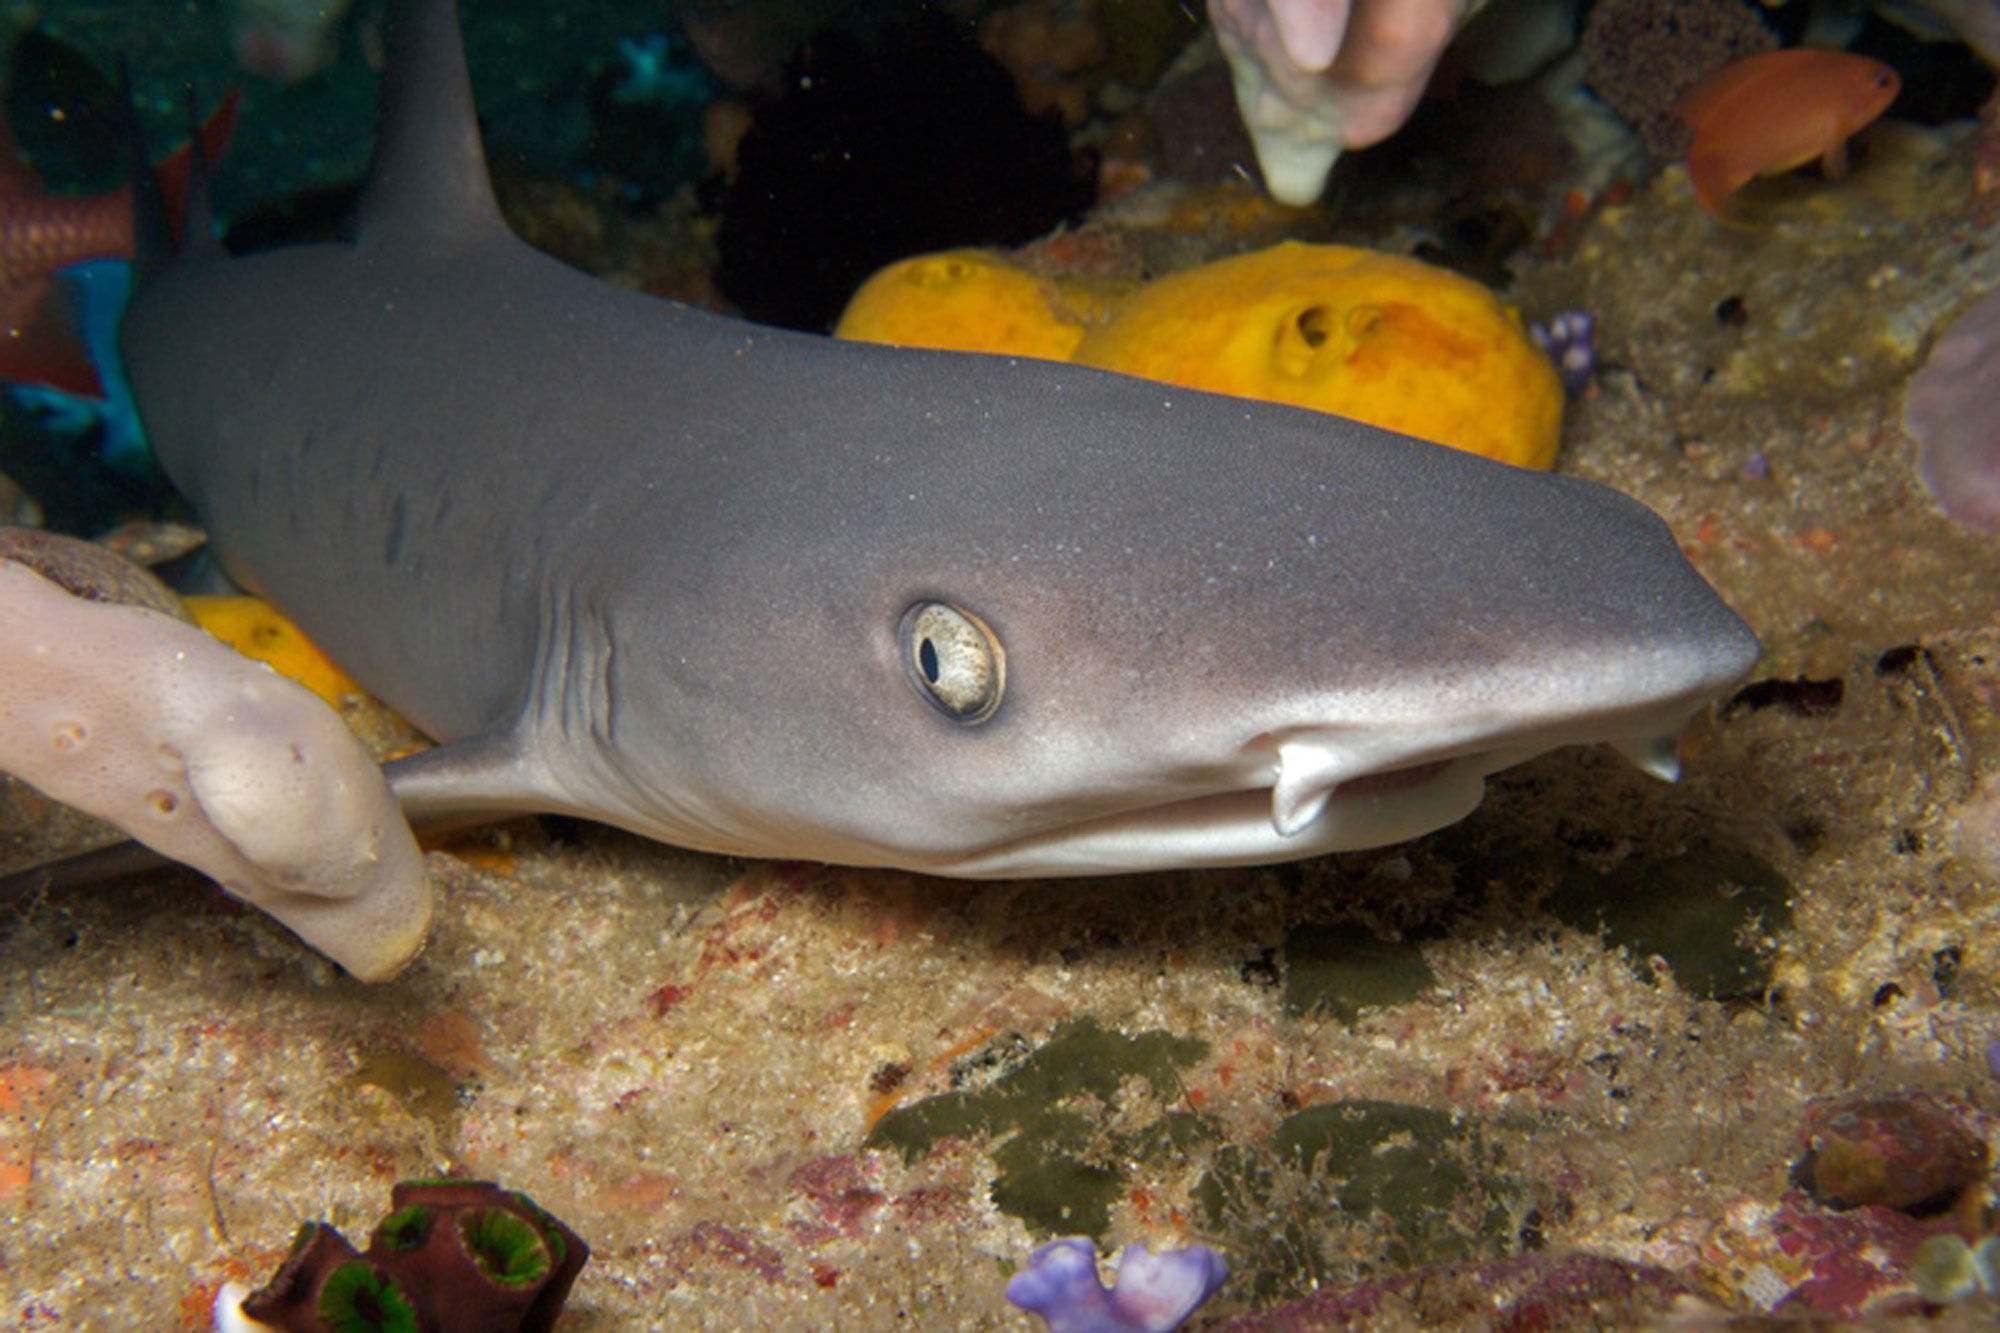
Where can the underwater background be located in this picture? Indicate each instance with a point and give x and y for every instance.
(1607, 1054)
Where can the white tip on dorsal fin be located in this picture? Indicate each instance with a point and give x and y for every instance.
(428, 177)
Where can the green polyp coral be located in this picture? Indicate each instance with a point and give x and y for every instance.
(452, 1256)
(550, 1230)
(405, 1229)
(357, 1299)
(507, 1247)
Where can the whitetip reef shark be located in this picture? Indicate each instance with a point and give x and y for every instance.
(764, 593)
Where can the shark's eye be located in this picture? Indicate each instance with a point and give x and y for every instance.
(955, 659)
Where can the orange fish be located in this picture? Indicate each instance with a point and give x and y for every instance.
(1777, 110)
(42, 232)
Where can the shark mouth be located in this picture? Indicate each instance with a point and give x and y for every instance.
(1316, 795)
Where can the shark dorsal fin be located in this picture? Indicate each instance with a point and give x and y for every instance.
(428, 178)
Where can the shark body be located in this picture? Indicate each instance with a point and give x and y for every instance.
(763, 593)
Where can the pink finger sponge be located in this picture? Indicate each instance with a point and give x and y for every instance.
(1953, 412)
(211, 759)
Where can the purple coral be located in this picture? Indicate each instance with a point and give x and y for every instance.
(1953, 413)
(1153, 1293)
(1569, 338)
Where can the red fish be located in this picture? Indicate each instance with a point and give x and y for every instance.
(1777, 110)
(42, 232)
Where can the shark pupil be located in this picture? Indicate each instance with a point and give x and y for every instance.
(927, 659)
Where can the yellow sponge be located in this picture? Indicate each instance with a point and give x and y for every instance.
(255, 629)
(1391, 341)
(1381, 338)
(973, 301)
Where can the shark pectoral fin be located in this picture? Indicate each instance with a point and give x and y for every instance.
(114, 864)
(463, 782)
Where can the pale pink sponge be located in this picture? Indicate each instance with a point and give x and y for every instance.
(1953, 412)
(211, 759)
(1316, 76)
